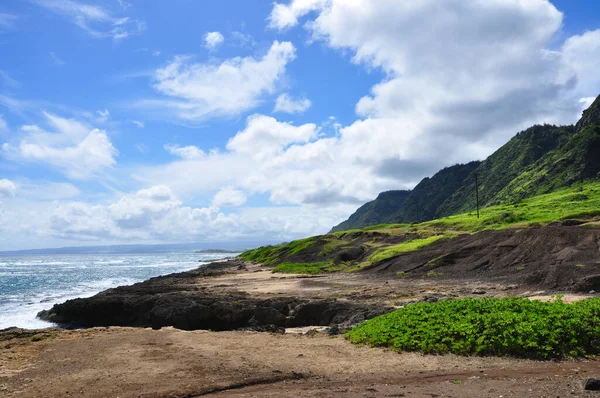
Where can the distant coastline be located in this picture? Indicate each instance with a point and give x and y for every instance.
(194, 247)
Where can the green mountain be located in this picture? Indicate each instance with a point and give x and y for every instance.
(420, 204)
(504, 165)
(376, 211)
(539, 160)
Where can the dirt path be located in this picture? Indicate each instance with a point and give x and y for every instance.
(126, 362)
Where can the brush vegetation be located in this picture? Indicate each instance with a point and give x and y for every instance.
(492, 326)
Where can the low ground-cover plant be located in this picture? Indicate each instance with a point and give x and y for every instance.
(305, 268)
(404, 247)
(491, 326)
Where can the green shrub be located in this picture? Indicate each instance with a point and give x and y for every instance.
(491, 326)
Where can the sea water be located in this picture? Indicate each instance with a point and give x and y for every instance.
(31, 283)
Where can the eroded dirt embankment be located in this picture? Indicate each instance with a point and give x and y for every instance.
(556, 257)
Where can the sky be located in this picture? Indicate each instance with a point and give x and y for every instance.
(133, 121)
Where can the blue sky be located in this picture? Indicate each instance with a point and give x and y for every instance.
(141, 122)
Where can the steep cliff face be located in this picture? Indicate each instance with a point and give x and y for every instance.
(374, 212)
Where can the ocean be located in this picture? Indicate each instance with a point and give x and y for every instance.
(31, 283)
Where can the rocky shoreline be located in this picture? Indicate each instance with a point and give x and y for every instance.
(177, 300)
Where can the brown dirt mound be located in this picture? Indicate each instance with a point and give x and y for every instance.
(553, 257)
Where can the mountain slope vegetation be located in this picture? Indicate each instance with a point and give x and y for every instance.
(539, 160)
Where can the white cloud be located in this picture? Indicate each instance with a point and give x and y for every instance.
(156, 53)
(229, 197)
(104, 115)
(155, 215)
(138, 123)
(201, 90)
(452, 93)
(285, 103)
(47, 190)
(285, 16)
(187, 152)
(3, 125)
(124, 4)
(7, 188)
(7, 21)
(242, 39)
(97, 21)
(212, 40)
(473, 79)
(582, 54)
(264, 136)
(56, 61)
(76, 149)
(7, 80)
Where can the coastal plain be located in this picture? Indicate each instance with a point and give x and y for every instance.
(303, 361)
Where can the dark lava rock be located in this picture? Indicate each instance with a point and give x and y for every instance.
(592, 384)
(351, 254)
(571, 222)
(174, 300)
(429, 299)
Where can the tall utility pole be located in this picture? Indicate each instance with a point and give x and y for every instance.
(477, 192)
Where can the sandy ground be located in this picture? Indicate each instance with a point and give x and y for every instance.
(261, 282)
(126, 362)
(129, 362)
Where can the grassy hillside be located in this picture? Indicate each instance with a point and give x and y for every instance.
(539, 160)
(355, 249)
(504, 165)
(578, 159)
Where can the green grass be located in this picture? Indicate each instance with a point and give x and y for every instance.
(332, 246)
(306, 268)
(582, 201)
(491, 326)
(404, 247)
(271, 255)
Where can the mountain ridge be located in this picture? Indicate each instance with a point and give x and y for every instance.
(535, 161)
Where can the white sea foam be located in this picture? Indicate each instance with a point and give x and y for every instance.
(29, 284)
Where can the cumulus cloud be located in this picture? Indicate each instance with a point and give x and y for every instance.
(97, 21)
(285, 16)
(479, 74)
(7, 188)
(451, 93)
(285, 103)
(189, 152)
(200, 90)
(155, 214)
(212, 40)
(582, 54)
(265, 136)
(74, 148)
(229, 197)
